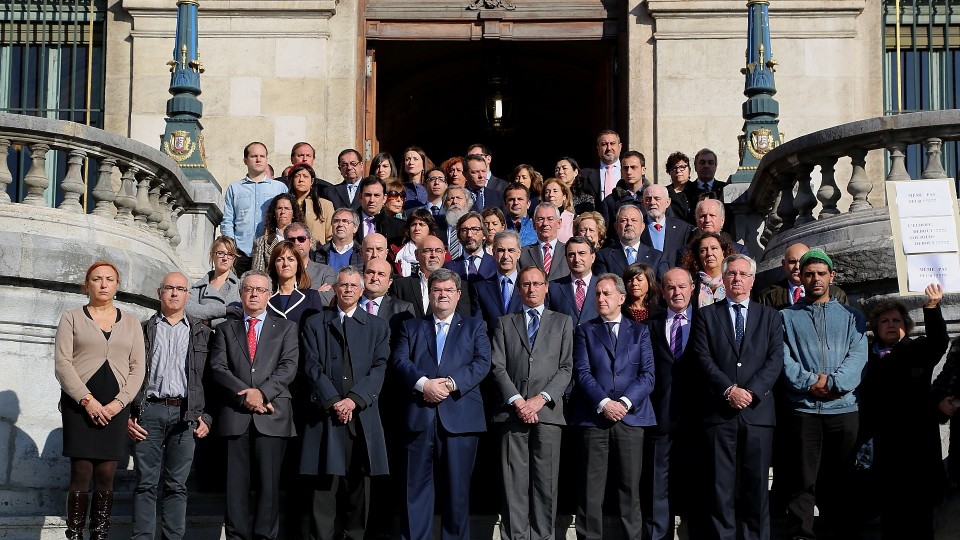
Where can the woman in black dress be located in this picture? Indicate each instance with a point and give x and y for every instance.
(99, 363)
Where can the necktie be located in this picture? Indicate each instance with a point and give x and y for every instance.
(580, 294)
(436, 210)
(472, 268)
(478, 205)
(608, 181)
(351, 191)
(613, 334)
(738, 323)
(370, 305)
(631, 255)
(547, 258)
(658, 227)
(252, 337)
(441, 339)
(454, 246)
(676, 340)
(370, 228)
(505, 292)
(797, 294)
(533, 326)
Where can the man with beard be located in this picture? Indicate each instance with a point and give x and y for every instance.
(665, 234)
(457, 201)
(474, 263)
(629, 227)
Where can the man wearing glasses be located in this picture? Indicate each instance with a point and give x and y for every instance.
(347, 193)
(252, 363)
(474, 263)
(168, 414)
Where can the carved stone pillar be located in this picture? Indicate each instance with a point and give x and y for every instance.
(859, 185)
(143, 208)
(829, 192)
(156, 212)
(786, 209)
(898, 169)
(73, 183)
(5, 177)
(934, 168)
(36, 179)
(804, 202)
(126, 200)
(104, 193)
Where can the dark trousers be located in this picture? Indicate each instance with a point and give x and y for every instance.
(622, 446)
(667, 466)
(242, 263)
(737, 470)
(341, 503)
(162, 459)
(530, 458)
(451, 458)
(267, 454)
(822, 471)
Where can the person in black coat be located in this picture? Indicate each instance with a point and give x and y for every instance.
(896, 412)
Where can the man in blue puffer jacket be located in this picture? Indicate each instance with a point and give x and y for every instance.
(824, 355)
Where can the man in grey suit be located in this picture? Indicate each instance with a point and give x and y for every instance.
(253, 361)
(321, 275)
(532, 365)
(377, 277)
(547, 253)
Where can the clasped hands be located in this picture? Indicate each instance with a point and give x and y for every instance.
(435, 390)
(739, 398)
(820, 390)
(102, 414)
(614, 410)
(344, 410)
(527, 409)
(254, 401)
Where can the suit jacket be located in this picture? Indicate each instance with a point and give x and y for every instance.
(755, 366)
(676, 384)
(466, 360)
(321, 274)
(676, 235)
(561, 298)
(487, 269)
(322, 254)
(486, 302)
(385, 224)
(527, 371)
(692, 192)
(497, 184)
(613, 259)
(592, 186)
(395, 311)
(340, 361)
(680, 206)
(338, 195)
(302, 304)
(492, 198)
(408, 290)
(610, 205)
(602, 372)
(271, 372)
(777, 295)
(531, 256)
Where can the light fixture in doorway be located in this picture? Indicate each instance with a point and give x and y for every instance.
(498, 105)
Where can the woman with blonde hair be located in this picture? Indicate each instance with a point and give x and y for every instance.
(591, 226)
(216, 295)
(556, 192)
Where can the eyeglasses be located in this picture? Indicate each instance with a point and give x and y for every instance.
(224, 255)
(430, 251)
(532, 284)
(282, 209)
(436, 179)
(396, 194)
(338, 221)
(349, 164)
(349, 286)
(742, 275)
(679, 167)
(471, 230)
(171, 288)
(298, 239)
(247, 289)
(437, 290)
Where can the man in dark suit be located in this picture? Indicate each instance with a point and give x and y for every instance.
(613, 370)
(601, 181)
(711, 217)
(373, 194)
(663, 233)
(413, 289)
(547, 253)
(788, 292)
(482, 150)
(441, 359)
(705, 163)
(493, 298)
(629, 227)
(532, 366)
(457, 201)
(253, 361)
(738, 347)
(377, 277)
(345, 354)
(346, 194)
(667, 446)
(574, 294)
(484, 196)
(630, 188)
(341, 250)
(474, 263)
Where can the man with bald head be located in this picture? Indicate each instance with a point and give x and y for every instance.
(710, 216)
(629, 227)
(789, 291)
(664, 233)
(374, 246)
(430, 255)
(168, 414)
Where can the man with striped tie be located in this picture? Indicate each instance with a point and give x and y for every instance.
(547, 253)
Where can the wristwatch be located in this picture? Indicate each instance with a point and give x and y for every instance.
(449, 384)
(85, 400)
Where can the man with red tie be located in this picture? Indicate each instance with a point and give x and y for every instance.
(663, 233)
(547, 253)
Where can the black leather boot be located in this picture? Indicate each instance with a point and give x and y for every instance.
(77, 502)
(100, 514)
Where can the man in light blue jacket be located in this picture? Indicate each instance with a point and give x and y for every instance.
(824, 355)
(245, 202)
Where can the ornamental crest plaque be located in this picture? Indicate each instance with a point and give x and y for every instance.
(761, 142)
(179, 146)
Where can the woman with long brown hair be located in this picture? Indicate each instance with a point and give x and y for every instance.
(703, 259)
(283, 211)
(317, 211)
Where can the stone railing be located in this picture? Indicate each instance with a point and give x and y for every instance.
(133, 185)
(789, 167)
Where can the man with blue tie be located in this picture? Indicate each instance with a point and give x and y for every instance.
(574, 294)
(346, 194)
(441, 358)
(629, 227)
(474, 263)
(483, 195)
(613, 369)
(495, 297)
(738, 348)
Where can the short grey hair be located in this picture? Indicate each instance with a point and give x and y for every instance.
(739, 257)
(353, 215)
(628, 206)
(548, 205)
(444, 274)
(350, 270)
(617, 281)
(507, 233)
(294, 226)
(720, 207)
(467, 194)
(249, 273)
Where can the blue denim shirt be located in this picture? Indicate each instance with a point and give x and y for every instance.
(244, 205)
